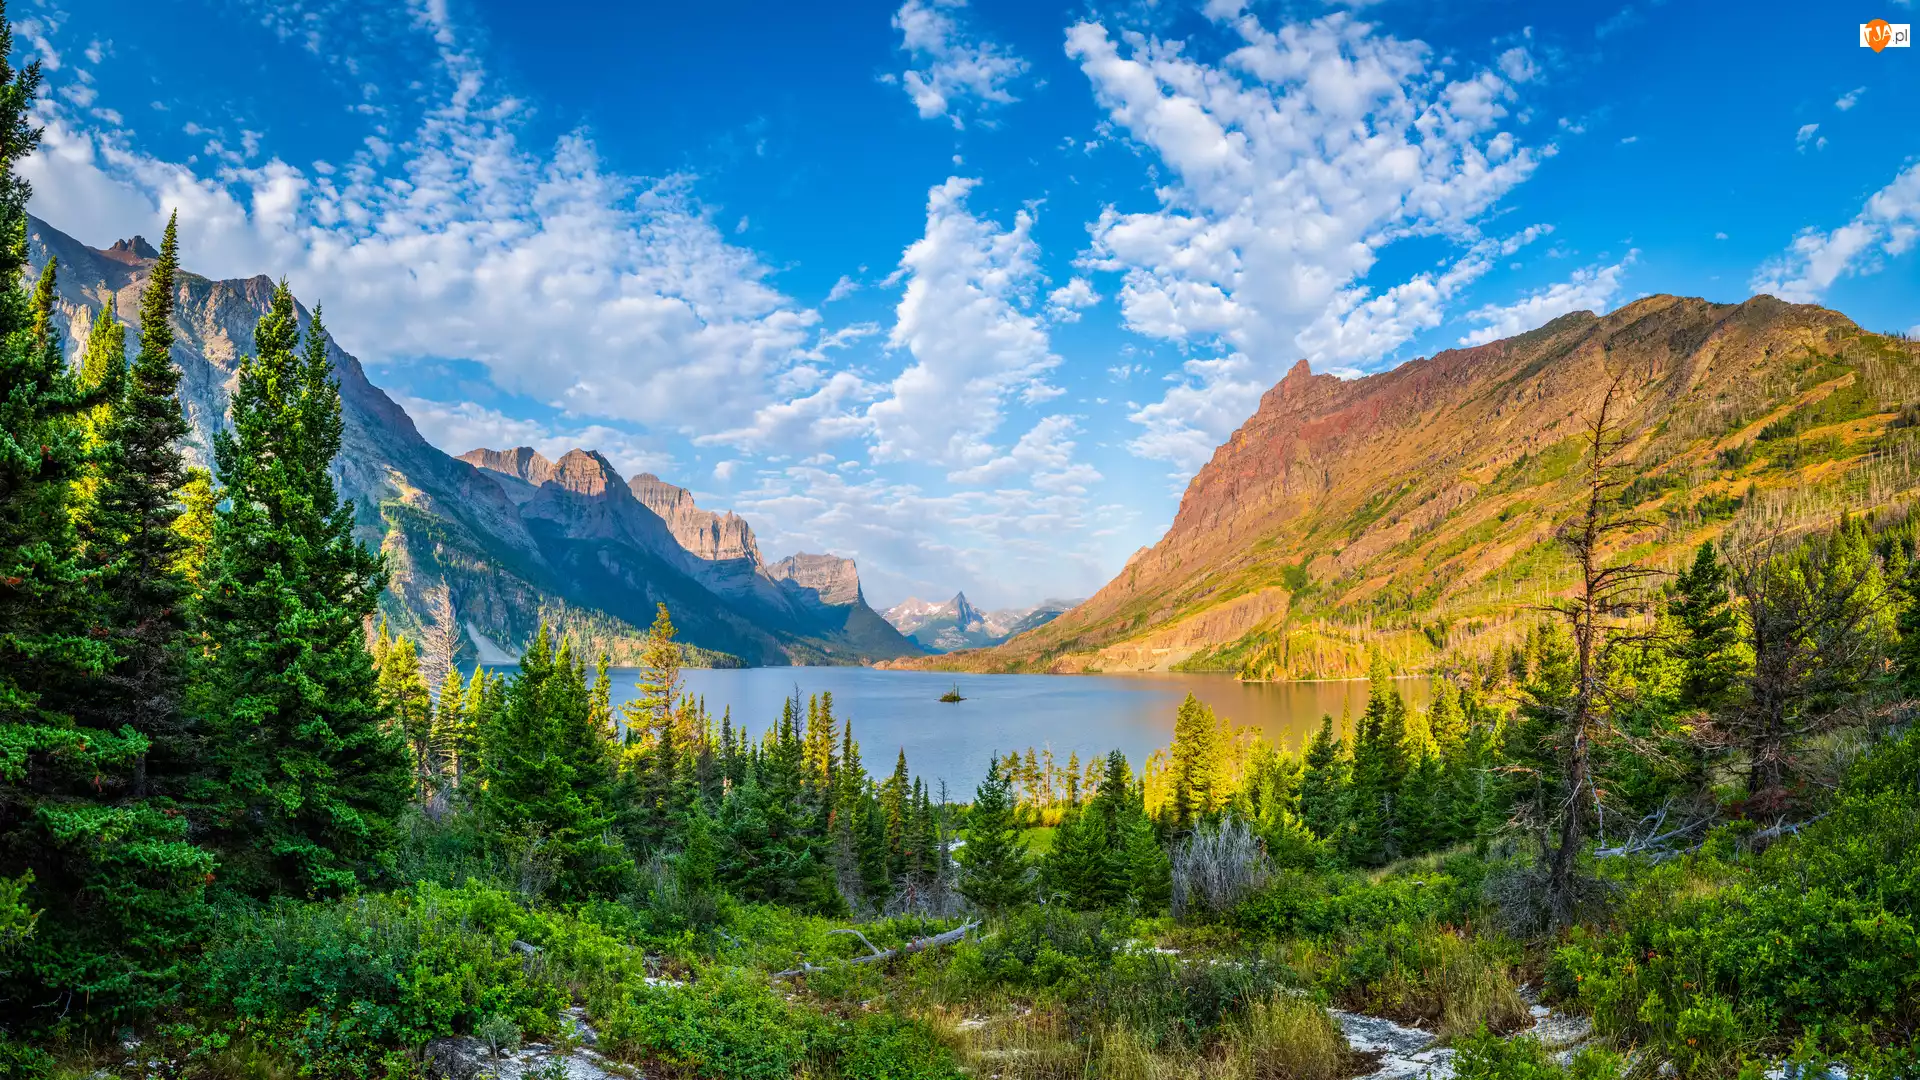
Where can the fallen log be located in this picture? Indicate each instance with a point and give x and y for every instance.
(874, 955)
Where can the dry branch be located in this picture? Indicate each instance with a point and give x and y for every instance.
(937, 941)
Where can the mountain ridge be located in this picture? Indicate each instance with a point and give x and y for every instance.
(957, 624)
(563, 543)
(1412, 511)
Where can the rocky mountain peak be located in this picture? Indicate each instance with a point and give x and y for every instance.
(523, 463)
(830, 579)
(705, 533)
(586, 472)
(130, 250)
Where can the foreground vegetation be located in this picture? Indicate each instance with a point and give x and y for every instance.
(248, 834)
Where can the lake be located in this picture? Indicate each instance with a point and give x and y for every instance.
(1083, 714)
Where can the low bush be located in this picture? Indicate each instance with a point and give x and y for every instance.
(1725, 953)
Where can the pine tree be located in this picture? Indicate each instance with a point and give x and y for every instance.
(1323, 786)
(1076, 869)
(547, 776)
(894, 791)
(403, 693)
(1374, 816)
(995, 874)
(1709, 632)
(117, 888)
(315, 774)
(451, 735)
(1149, 872)
(1196, 767)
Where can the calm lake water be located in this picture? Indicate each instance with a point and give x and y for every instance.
(1083, 714)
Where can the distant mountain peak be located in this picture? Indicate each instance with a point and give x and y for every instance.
(131, 249)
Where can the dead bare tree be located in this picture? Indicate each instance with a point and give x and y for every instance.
(1816, 615)
(1607, 594)
(439, 639)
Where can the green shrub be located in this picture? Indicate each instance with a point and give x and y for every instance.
(339, 985)
(729, 1024)
(1038, 948)
(1486, 1056)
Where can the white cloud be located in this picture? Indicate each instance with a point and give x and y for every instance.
(1003, 544)
(1805, 137)
(842, 289)
(1719, 236)
(617, 296)
(457, 427)
(964, 320)
(1886, 226)
(1590, 289)
(1290, 163)
(953, 67)
(1044, 454)
(723, 471)
(1849, 99)
(1065, 303)
(1358, 326)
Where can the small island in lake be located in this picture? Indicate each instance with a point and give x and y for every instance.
(952, 695)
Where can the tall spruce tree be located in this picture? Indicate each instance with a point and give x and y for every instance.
(995, 873)
(548, 775)
(117, 888)
(1323, 785)
(315, 773)
(1708, 644)
(403, 692)
(1195, 774)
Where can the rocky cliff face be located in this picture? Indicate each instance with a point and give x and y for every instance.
(807, 608)
(517, 540)
(705, 534)
(1413, 511)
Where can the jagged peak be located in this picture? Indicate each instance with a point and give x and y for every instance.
(131, 249)
(521, 462)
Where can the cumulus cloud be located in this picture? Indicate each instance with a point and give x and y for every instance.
(1849, 99)
(459, 426)
(1290, 163)
(1589, 289)
(955, 71)
(1004, 544)
(615, 297)
(1886, 226)
(964, 319)
(1065, 303)
(1805, 138)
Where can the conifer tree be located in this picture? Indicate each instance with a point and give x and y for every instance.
(451, 736)
(1323, 785)
(547, 775)
(1709, 632)
(108, 882)
(315, 774)
(995, 874)
(894, 791)
(1149, 871)
(403, 692)
(131, 527)
(1374, 817)
(1195, 774)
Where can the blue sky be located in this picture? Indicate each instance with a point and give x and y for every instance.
(967, 291)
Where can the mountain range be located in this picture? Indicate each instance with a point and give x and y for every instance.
(1414, 512)
(957, 624)
(517, 540)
